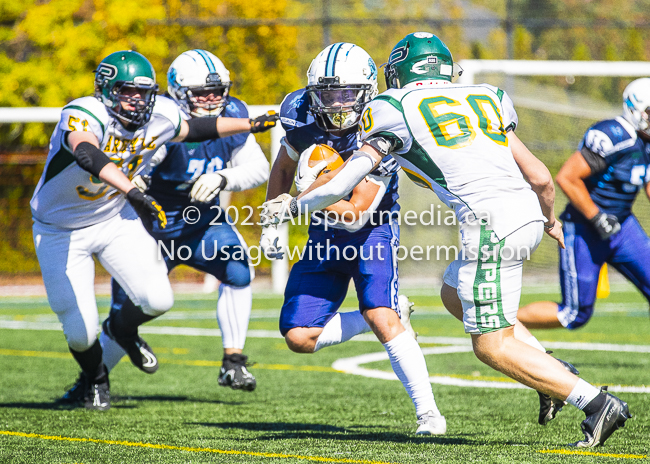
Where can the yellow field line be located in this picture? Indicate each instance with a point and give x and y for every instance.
(35, 354)
(184, 362)
(591, 453)
(190, 449)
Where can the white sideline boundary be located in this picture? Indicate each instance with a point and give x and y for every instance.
(354, 364)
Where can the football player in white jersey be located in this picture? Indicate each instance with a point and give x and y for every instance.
(85, 205)
(458, 141)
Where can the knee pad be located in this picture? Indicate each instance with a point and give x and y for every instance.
(238, 274)
(156, 301)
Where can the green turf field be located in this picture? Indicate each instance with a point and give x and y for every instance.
(304, 410)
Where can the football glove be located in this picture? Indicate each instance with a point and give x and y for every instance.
(605, 224)
(264, 122)
(207, 187)
(142, 182)
(269, 242)
(277, 211)
(305, 176)
(147, 208)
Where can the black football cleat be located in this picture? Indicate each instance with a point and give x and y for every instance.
(97, 395)
(140, 353)
(600, 425)
(75, 395)
(234, 374)
(549, 407)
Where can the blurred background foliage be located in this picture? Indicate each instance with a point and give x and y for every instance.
(48, 50)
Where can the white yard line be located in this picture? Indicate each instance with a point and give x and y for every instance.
(354, 364)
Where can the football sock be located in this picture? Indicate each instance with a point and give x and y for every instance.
(90, 360)
(408, 363)
(124, 323)
(111, 351)
(582, 395)
(532, 341)
(233, 313)
(341, 328)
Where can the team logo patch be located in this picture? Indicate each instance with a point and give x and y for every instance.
(107, 70)
(424, 66)
(399, 54)
(373, 69)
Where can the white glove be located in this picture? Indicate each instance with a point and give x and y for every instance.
(207, 187)
(269, 242)
(141, 182)
(306, 175)
(276, 211)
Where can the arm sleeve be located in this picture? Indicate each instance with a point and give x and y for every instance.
(355, 169)
(249, 167)
(596, 162)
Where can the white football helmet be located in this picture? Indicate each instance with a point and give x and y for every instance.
(636, 104)
(192, 77)
(341, 80)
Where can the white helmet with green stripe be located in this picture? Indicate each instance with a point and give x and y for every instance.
(193, 77)
(341, 80)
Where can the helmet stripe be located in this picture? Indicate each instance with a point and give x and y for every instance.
(331, 59)
(207, 59)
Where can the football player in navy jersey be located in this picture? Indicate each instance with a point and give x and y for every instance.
(602, 180)
(193, 174)
(341, 80)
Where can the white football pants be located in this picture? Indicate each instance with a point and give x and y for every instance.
(127, 252)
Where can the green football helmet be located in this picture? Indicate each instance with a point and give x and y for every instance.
(418, 56)
(126, 83)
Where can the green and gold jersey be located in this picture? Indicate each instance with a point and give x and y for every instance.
(69, 197)
(452, 139)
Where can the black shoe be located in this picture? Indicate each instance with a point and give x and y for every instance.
(140, 353)
(600, 425)
(75, 395)
(234, 374)
(97, 395)
(549, 407)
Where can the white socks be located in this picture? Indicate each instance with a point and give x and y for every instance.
(408, 363)
(111, 351)
(582, 394)
(233, 313)
(341, 328)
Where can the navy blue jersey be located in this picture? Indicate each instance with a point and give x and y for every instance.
(302, 132)
(626, 158)
(172, 179)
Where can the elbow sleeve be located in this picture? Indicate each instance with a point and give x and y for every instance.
(90, 158)
(202, 129)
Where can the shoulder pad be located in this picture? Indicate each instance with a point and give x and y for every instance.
(293, 110)
(608, 137)
(167, 108)
(235, 108)
(90, 105)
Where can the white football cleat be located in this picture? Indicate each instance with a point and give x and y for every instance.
(405, 309)
(431, 423)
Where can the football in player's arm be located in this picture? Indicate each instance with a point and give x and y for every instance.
(79, 210)
(601, 180)
(474, 172)
(341, 80)
(183, 175)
